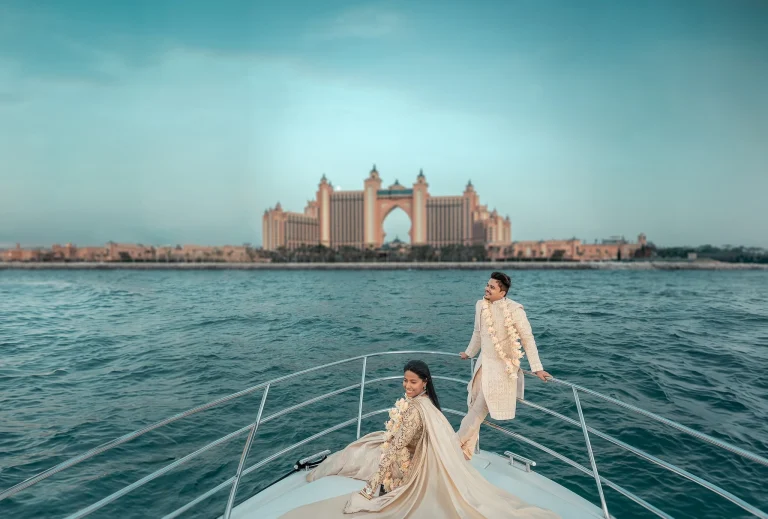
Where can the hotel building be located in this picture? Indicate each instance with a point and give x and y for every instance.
(355, 218)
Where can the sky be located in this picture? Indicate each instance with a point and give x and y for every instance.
(169, 122)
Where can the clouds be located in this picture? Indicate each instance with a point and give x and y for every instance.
(371, 21)
(166, 148)
(183, 121)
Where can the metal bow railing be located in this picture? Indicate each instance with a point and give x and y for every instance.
(252, 429)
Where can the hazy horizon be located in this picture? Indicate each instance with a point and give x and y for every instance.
(165, 122)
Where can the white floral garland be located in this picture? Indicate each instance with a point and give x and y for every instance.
(401, 458)
(512, 364)
(394, 423)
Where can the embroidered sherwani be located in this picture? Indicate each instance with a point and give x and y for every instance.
(501, 391)
(491, 389)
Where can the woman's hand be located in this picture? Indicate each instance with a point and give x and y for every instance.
(367, 492)
(463, 355)
(543, 375)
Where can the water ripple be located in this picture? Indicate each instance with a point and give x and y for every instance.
(89, 356)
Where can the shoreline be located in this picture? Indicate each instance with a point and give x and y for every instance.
(487, 265)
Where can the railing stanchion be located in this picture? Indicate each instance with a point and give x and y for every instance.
(362, 393)
(248, 442)
(591, 455)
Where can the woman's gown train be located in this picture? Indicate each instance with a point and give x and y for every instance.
(440, 483)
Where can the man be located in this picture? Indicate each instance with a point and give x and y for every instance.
(501, 329)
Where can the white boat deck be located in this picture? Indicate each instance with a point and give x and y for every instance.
(294, 491)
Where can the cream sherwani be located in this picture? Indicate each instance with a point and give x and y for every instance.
(491, 390)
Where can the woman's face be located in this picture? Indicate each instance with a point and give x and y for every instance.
(413, 384)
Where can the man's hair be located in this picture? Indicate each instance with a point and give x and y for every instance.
(503, 280)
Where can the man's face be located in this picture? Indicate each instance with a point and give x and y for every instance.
(493, 291)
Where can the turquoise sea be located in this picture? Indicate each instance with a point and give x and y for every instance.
(87, 356)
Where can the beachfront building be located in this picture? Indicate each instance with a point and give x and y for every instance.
(19, 254)
(131, 252)
(337, 219)
(91, 254)
(616, 248)
(204, 253)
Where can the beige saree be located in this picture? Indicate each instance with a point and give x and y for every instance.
(435, 482)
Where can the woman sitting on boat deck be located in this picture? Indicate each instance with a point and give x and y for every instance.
(414, 469)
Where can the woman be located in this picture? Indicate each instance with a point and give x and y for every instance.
(414, 469)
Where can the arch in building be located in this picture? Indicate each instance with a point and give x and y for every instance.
(385, 209)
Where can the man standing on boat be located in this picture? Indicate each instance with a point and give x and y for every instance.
(501, 328)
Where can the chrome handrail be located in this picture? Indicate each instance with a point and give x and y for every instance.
(573, 464)
(248, 443)
(666, 421)
(140, 432)
(160, 472)
(591, 455)
(221, 486)
(363, 382)
(653, 459)
(341, 425)
(362, 392)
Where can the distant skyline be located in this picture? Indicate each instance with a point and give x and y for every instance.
(165, 122)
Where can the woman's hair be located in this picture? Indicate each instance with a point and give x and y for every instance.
(421, 369)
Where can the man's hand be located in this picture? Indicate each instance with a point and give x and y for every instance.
(543, 375)
(463, 355)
